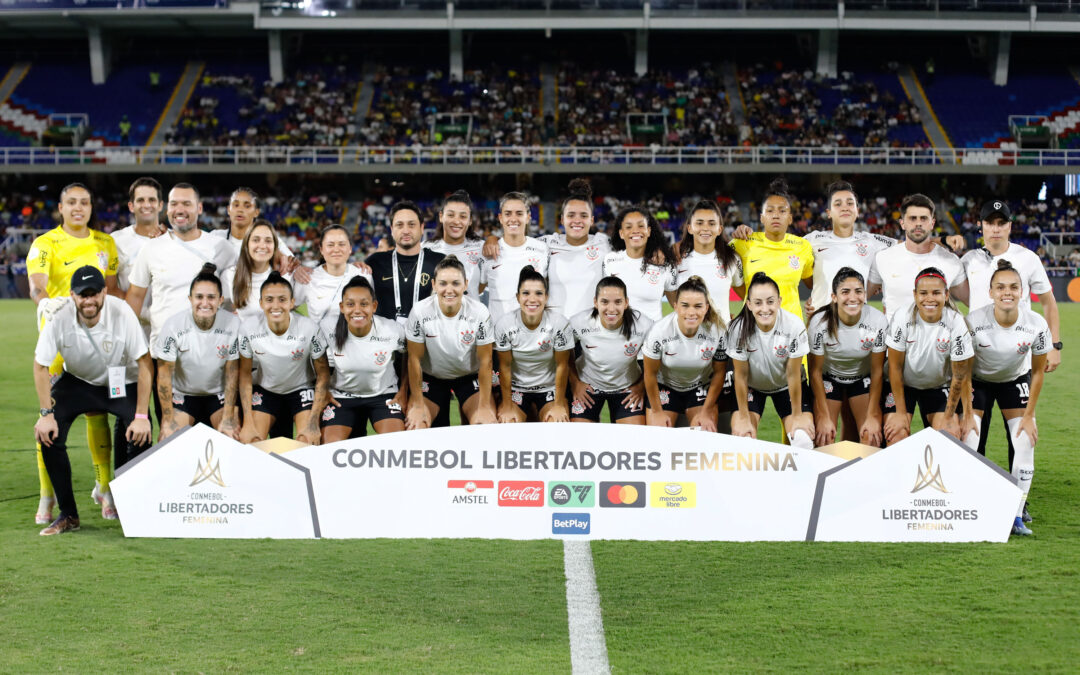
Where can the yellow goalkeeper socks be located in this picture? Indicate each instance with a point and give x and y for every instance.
(99, 438)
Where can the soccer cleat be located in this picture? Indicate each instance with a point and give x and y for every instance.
(44, 511)
(108, 507)
(61, 525)
(1020, 528)
(1026, 516)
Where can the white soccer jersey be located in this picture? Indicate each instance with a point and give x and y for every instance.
(501, 275)
(717, 278)
(609, 360)
(534, 350)
(895, 269)
(322, 295)
(685, 362)
(645, 290)
(199, 355)
(468, 252)
(767, 354)
(979, 266)
(282, 363)
(225, 234)
(930, 348)
(117, 334)
(251, 310)
(847, 356)
(573, 272)
(166, 266)
(450, 342)
(832, 252)
(1003, 354)
(364, 366)
(128, 246)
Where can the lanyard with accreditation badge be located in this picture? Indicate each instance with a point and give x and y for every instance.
(117, 374)
(418, 271)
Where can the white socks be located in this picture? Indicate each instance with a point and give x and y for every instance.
(1023, 468)
(972, 438)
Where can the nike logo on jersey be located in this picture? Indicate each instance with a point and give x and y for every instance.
(910, 341)
(671, 354)
(554, 252)
(430, 336)
(495, 267)
(69, 262)
(822, 249)
(751, 350)
(390, 278)
(682, 271)
(831, 345)
(754, 261)
(984, 346)
(590, 346)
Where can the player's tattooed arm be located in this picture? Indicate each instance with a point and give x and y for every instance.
(164, 394)
(230, 423)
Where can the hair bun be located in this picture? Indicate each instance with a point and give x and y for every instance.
(208, 268)
(579, 187)
(1005, 265)
(759, 276)
(778, 184)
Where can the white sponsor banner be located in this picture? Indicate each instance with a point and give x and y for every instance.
(200, 483)
(535, 481)
(928, 487)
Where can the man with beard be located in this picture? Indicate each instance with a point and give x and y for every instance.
(107, 369)
(894, 269)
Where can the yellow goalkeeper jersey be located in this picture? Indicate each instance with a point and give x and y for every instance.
(57, 254)
(787, 262)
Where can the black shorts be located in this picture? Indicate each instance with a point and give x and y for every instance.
(929, 401)
(755, 401)
(673, 400)
(285, 406)
(355, 413)
(438, 391)
(1007, 395)
(579, 410)
(199, 408)
(529, 399)
(837, 390)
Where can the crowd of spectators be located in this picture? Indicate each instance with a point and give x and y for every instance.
(312, 107)
(415, 106)
(790, 107)
(593, 105)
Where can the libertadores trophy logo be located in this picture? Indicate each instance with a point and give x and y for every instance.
(211, 471)
(932, 477)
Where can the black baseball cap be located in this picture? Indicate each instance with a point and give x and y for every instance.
(87, 278)
(995, 207)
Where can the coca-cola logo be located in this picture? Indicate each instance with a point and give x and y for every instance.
(521, 493)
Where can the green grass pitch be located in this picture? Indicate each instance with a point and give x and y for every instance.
(96, 602)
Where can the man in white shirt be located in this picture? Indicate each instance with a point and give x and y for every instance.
(167, 265)
(107, 369)
(894, 269)
(145, 203)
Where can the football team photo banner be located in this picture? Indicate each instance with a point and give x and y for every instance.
(536, 481)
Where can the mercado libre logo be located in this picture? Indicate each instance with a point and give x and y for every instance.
(521, 493)
(470, 491)
(672, 495)
(629, 495)
(571, 495)
(211, 471)
(931, 477)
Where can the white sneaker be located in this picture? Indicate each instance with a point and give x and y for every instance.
(95, 494)
(108, 507)
(44, 514)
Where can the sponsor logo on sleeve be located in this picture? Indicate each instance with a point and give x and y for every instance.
(628, 495)
(673, 495)
(570, 523)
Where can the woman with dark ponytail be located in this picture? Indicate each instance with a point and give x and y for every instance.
(284, 372)
(685, 358)
(609, 338)
(642, 258)
(456, 236)
(847, 361)
(369, 382)
(576, 261)
(767, 344)
(786, 258)
(534, 346)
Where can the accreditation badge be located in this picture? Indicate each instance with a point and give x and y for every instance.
(117, 384)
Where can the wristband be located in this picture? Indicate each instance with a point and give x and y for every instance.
(140, 416)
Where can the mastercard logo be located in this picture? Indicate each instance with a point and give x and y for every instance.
(622, 495)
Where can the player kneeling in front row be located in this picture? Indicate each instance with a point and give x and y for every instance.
(198, 362)
(450, 339)
(930, 357)
(767, 345)
(369, 380)
(277, 354)
(534, 346)
(685, 361)
(107, 369)
(1005, 333)
(847, 360)
(609, 340)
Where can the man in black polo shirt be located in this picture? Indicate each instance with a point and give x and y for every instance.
(403, 276)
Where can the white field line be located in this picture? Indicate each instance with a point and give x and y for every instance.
(588, 648)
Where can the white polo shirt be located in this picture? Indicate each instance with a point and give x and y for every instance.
(117, 335)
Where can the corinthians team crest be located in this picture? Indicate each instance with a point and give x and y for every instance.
(932, 476)
(211, 471)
